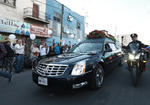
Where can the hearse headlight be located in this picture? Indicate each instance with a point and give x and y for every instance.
(79, 68)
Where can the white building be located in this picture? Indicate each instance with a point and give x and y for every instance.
(22, 18)
(23, 10)
(124, 39)
(118, 38)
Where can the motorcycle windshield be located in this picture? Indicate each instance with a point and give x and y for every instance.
(134, 48)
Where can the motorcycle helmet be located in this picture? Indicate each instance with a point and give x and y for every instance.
(133, 35)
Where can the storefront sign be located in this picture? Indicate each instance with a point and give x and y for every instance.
(40, 31)
(3, 38)
(16, 27)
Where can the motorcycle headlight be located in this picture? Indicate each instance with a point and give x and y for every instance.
(79, 68)
(137, 56)
(131, 57)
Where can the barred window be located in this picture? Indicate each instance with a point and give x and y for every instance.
(56, 28)
(78, 25)
(57, 17)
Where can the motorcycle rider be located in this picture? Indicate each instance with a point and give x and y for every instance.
(135, 40)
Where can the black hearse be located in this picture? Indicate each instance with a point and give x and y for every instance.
(84, 64)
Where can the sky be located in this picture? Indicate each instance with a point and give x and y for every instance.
(118, 17)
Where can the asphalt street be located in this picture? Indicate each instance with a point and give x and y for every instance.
(117, 90)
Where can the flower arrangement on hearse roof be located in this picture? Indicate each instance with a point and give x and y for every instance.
(100, 34)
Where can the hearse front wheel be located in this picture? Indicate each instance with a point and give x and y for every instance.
(97, 78)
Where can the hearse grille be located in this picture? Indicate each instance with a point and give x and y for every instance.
(51, 69)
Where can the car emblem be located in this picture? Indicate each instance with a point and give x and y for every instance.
(46, 69)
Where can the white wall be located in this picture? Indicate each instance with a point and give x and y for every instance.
(127, 39)
(118, 38)
(16, 13)
(42, 7)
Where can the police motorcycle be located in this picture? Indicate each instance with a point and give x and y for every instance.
(136, 61)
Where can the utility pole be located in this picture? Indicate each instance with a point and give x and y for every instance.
(61, 33)
(122, 40)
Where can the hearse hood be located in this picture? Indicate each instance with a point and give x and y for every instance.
(70, 58)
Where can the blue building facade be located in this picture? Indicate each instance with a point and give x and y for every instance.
(73, 23)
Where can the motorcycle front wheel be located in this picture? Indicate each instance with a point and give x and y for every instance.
(135, 75)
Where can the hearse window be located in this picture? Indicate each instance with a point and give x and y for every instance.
(107, 46)
(87, 47)
(112, 46)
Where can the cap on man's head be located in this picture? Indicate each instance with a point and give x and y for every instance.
(133, 35)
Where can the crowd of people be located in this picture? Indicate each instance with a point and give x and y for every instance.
(15, 53)
(43, 50)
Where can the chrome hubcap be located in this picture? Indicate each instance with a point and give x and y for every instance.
(99, 77)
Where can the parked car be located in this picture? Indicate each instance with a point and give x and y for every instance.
(84, 64)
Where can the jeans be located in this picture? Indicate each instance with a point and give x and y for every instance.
(5, 74)
(8, 63)
(19, 63)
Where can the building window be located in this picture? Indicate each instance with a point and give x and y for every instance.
(78, 25)
(56, 28)
(9, 2)
(70, 18)
(56, 24)
(57, 17)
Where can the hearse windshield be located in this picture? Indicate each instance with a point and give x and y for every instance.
(86, 48)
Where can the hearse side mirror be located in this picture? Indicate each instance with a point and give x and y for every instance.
(108, 50)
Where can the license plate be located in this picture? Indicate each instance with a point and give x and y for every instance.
(42, 81)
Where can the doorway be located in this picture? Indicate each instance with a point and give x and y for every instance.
(35, 10)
